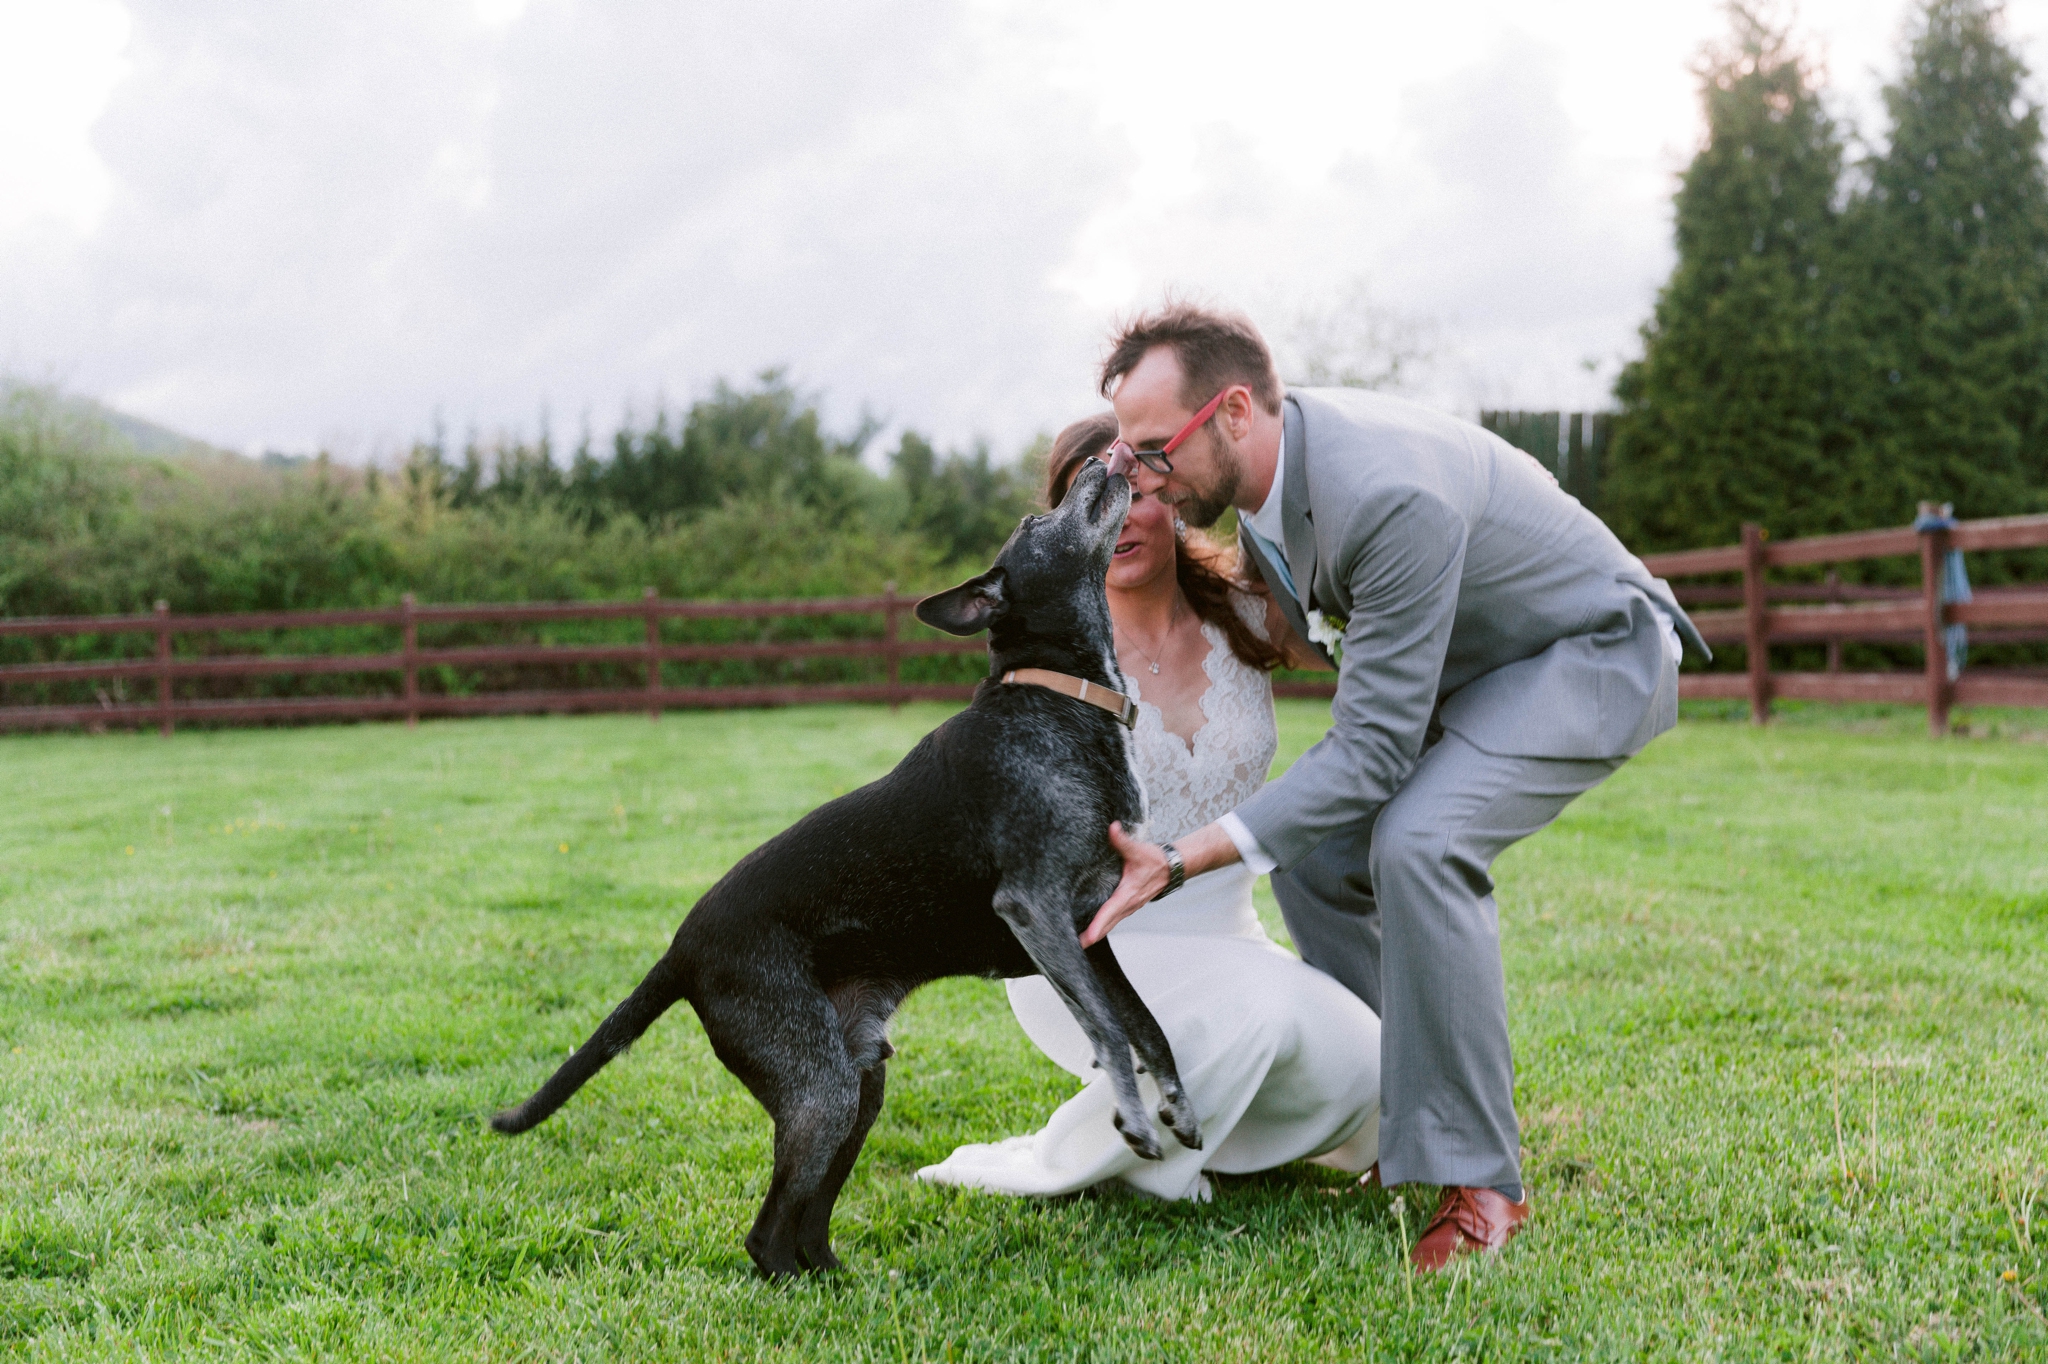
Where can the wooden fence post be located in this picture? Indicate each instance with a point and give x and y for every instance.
(1933, 549)
(649, 596)
(1834, 586)
(412, 661)
(889, 644)
(1755, 636)
(163, 667)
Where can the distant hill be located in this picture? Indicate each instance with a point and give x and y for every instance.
(113, 432)
(148, 438)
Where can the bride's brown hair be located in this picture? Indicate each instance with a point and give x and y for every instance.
(1208, 572)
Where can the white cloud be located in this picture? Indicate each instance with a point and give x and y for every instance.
(293, 225)
(328, 224)
(58, 65)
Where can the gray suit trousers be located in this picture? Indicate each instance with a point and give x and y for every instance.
(1401, 911)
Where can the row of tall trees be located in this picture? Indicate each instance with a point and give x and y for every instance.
(765, 444)
(1846, 331)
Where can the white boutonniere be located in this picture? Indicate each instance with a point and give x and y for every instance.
(1327, 631)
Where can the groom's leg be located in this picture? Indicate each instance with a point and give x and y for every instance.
(1326, 899)
(1447, 1077)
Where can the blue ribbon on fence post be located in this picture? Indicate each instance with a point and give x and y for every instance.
(1955, 585)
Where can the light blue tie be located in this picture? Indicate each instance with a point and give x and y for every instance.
(1273, 556)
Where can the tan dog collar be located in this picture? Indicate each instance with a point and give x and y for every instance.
(1115, 702)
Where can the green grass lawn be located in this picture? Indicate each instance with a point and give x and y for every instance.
(1778, 1000)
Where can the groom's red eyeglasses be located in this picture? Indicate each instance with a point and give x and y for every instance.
(1159, 461)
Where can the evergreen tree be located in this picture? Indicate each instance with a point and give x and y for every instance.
(964, 505)
(1730, 415)
(763, 443)
(525, 475)
(761, 447)
(1951, 309)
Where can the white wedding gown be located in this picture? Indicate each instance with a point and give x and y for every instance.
(1281, 1061)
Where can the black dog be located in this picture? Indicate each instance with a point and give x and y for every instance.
(982, 854)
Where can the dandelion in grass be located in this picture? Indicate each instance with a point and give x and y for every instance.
(896, 1313)
(563, 847)
(2019, 1210)
(1401, 1215)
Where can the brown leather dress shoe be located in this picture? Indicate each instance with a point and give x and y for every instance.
(1468, 1221)
(1371, 1178)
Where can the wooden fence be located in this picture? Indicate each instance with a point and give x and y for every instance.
(1837, 613)
(166, 667)
(1762, 614)
(1572, 445)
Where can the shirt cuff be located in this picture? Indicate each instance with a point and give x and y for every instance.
(1248, 848)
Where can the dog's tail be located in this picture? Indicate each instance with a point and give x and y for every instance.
(662, 987)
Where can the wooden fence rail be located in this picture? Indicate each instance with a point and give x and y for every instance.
(1760, 614)
(2000, 615)
(653, 695)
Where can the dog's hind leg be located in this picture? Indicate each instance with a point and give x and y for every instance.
(788, 1051)
(1176, 1110)
(814, 1224)
(811, 1129)
(864, 1007)
(1044, 925)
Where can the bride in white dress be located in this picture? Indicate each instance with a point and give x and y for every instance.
(1282, 1062)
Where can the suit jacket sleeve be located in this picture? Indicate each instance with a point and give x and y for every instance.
(1405, 555)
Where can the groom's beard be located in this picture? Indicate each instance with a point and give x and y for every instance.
(1203, 506)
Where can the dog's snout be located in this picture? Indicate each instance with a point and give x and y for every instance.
(1102, 491)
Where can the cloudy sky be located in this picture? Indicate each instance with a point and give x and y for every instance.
(297, 226)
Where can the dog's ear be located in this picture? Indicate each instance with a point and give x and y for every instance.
(967, 609)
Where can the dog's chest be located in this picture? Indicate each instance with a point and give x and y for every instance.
(1126, 742)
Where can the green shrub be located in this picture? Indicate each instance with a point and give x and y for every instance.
(747, 496)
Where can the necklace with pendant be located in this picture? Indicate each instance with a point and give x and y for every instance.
(1172, 621)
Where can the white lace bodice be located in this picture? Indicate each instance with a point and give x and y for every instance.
(1185, 789)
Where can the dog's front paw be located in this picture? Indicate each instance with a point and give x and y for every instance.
(1179, 1117)
(1140, 1138)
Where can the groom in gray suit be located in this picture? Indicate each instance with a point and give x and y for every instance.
(1500, 653)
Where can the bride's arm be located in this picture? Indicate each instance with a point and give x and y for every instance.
(1257, 607)
(1295, 650)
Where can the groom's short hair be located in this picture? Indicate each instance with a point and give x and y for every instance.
(1215, 349)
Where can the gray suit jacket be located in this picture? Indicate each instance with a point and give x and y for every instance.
(1473, 590)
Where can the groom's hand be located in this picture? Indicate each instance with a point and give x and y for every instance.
(1144, 877)
(1206, 849)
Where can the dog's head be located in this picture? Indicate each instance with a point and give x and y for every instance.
(1043, 603)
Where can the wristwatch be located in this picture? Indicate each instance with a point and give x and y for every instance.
(1176, 870)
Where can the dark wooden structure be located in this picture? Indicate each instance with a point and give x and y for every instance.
(1756, 614)
(409, 702)
(1830, 613)
(1572, 445)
